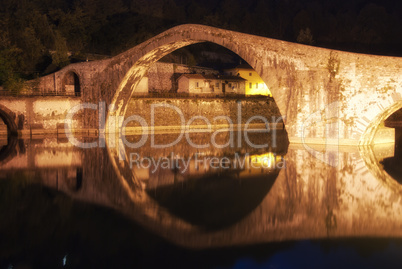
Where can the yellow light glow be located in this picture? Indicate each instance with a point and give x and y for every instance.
(254, 84)
(264, 160)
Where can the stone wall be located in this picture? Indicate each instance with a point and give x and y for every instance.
(44, 113)
(56, 83)
(48, 114)
(167, 111)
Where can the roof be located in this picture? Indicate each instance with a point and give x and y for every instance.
(210, 76)
(196, 76)
(242, 66)
(213, 77)
(236, 78)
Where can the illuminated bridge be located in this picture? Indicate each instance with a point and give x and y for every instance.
(326, 96)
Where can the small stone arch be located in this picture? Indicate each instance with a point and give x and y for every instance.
(370, 130)
(8, 118)
(71, 84)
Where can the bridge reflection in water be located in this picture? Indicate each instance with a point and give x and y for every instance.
(286, 195)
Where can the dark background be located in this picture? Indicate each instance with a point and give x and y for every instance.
(38, 37)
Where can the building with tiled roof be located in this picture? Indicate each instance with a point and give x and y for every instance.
(211, 84)
(254, 85)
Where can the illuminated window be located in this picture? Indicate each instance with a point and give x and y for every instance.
(256, 85)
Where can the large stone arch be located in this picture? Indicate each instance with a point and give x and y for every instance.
(8, 118)
(271, 62)
(304, 80)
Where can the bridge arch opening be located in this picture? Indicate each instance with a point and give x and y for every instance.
(137, 80)
(71, 84)
(187, 73)
(138, 60)
(392, 165)
(203, 69)
(374, 132)
(382, 148)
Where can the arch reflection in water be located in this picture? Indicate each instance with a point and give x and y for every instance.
(8, 150)
(51, 163)
(209, 188)
(392, 165)
(214, 198)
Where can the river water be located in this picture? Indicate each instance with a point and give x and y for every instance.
(258, 203)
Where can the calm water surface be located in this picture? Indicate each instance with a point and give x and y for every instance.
(277, 206)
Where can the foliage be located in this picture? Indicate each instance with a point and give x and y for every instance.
(60, 55)
(9, 79)
(305, 37)
(333, 65)
(14, 85)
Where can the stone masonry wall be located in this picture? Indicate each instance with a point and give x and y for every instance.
(42, 112)
(54, 83)
(166, 111)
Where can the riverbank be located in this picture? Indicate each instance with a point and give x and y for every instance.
(149, 130)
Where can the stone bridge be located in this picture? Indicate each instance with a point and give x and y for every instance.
(326, 96)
